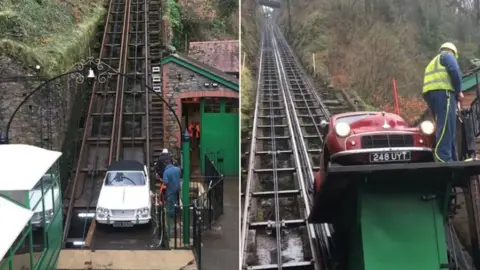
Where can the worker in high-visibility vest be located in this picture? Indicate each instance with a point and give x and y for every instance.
(442, 87)
(197, 129)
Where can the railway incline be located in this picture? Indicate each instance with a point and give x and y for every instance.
(279, 166)
(117, 127)
(284, 148)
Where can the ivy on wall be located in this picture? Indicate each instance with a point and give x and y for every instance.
(174, 15)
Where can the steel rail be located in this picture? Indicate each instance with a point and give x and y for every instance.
(289, 101)
(305, 78)
(88, 122)
(118, 92)
(117, 123)
(271, 87)
(320, 234)
(135, 67)
(251, 162)
(146, 51)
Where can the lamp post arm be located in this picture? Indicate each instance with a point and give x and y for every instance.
(30, 94)
(169, 107)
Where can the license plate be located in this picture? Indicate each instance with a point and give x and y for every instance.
(390, 157)
(123, 224)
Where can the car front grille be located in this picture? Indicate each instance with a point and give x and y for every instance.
(392, 140)
(123, 213)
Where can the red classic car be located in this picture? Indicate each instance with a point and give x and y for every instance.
(358, 138)
(361, 138)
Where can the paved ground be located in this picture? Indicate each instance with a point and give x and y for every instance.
(126, 259)
(220, 246)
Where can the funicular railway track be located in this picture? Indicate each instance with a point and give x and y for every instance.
(307, 108)
(284, 153)
(115, 128)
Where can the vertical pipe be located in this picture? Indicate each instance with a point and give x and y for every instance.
(289, 20)
(186, 188)
(30, 240)
(30, 236)
(478, 86)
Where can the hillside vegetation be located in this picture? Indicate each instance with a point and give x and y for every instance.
(45, 32)
(201, 20)
(250, 27)
(364, 44)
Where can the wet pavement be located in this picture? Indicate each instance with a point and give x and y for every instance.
(220, 245)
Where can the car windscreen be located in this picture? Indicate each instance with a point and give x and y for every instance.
(47, 181)
(125, 179)
(352, 118)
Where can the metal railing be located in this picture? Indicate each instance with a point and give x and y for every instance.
(204, 210)
(214, 163)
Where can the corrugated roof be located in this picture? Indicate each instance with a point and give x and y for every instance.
(23, 165)
(18, 217)
(220, 54)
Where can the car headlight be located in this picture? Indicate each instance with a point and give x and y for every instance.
(49, 213)
(427, 127)
(342, 129)
(144, 211)
(101, 212)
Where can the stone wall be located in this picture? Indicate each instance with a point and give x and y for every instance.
(173, 88)
(43, 120)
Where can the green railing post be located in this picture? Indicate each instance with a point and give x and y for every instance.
(186, 188)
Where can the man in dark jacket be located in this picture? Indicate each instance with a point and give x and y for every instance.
(171, 178)
(161, 163)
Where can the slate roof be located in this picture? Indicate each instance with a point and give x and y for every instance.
(226, 77)
(220, 54)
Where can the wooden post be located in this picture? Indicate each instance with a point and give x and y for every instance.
(186, 44)
(313, 61)
(75, 14)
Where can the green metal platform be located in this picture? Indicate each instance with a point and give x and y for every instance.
(391, 216)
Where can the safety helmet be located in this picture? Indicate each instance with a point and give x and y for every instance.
(450, 46)
(165, 151)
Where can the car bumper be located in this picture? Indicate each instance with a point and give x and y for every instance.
(362, 156)
(134, 221)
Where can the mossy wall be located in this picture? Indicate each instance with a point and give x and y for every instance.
(44, 33)
(47, 34)
(201, 20)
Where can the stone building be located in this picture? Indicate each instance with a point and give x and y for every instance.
(188, 83)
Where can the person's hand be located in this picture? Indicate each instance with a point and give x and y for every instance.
(460, 96)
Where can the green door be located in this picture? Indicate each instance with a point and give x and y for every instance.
(220, 134)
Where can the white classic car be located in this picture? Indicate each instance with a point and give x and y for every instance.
(124, 199)
(52, 194)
